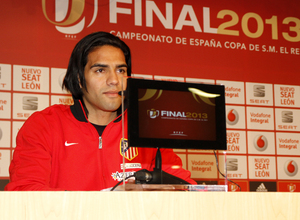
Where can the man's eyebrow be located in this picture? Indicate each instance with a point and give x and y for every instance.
(122, 65)
(105, 65)
(98, 65)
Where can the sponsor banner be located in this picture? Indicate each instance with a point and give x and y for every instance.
(288, 143)
(4, 162)
(255, 55)
(142, 76)
(200, 151)
(235, 117)
(260, 118)
(287, 119)
(287, 96)
(25, 104)
(236, 142)
(202, 166)
(5, 105)
(234, 92)
(179, 150)
(259, 94)
(261, 142)
(5, 134)
(263, 186)
(253, 45)
(5, 76)
(169, 78)
(236, 166)
(261, 167)
(183, 160)
(288, 168)
(3, 183)
(57, 77)
(196, 80)
(236, 185)
(31, 78)
(288, 186)
(62, 99)
(16, 128)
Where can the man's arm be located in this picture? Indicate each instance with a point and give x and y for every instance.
(30, 168)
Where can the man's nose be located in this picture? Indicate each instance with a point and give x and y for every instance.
(113, 78)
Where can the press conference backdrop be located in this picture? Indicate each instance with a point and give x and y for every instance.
(252, 47)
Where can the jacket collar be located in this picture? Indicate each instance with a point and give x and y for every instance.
(80, 113)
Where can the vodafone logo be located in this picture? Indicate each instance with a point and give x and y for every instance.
(291, 168)
(232, 117)
(61, 79)
(260, 142)
(68, 17)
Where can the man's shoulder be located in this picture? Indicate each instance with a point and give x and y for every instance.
(57, 110)
(54, 109)
(50, 117)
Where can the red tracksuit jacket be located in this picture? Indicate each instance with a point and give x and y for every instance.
(58, 149)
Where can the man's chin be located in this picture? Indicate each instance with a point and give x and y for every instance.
(114, 107)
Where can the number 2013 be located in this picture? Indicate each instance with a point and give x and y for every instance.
(294, 25)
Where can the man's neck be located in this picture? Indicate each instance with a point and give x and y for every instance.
(101, 118)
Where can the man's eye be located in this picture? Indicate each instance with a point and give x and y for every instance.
(100, 70)
(122, 71)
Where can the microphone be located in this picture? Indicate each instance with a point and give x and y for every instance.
(124, 92)
(157, 177)
(143, 176)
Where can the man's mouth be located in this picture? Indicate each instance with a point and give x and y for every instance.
(112, 93)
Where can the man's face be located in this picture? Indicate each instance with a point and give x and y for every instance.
(104, 74)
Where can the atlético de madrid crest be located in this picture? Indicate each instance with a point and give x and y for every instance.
(129, 152)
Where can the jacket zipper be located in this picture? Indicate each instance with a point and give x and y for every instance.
(100, 142)
(100, 138)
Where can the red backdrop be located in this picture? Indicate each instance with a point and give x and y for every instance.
(237, 43)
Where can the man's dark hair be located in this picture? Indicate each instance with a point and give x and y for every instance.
(79, 57)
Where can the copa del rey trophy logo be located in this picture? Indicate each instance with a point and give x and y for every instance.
(68, 15)
(291, 187)
(153, 113)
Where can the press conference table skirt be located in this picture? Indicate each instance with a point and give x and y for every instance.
(149, 205)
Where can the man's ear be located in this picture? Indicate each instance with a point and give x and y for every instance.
(79, 81)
